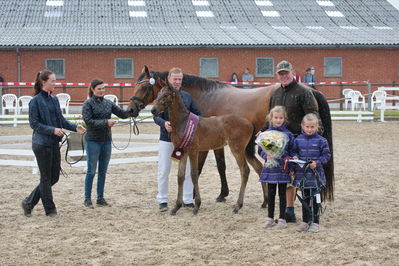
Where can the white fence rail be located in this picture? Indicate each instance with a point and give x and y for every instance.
(389, 97)
(359, 116)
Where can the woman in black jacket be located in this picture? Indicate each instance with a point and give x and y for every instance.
(47, 122)
(97, 113)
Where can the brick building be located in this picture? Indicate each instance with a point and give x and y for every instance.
(112, 40)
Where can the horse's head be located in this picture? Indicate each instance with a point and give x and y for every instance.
(164, 99)
(144, 92)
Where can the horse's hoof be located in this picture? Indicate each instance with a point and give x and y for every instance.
(220, 199)
(173, 212)
(264, 205)
(236, 210)
(195, 211)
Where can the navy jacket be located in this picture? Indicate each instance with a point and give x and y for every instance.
(311, 147)
(43, 122)
(164, 116)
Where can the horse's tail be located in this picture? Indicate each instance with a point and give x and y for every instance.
(325, 116)
(250, 149)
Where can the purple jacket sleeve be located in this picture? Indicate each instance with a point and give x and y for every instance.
(325, 152)
(261, 153)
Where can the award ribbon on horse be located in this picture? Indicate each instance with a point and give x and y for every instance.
(188, 136)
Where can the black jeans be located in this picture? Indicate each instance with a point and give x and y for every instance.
(49, 162)
(272, 197)
(306, 214)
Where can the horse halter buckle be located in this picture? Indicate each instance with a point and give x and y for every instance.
(150, 80)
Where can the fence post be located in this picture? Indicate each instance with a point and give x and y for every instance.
(121, 96)
(1, 94)
(341, 104)
(369, 95)
(394, 94)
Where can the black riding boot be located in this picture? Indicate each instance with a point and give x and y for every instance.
(290, 215)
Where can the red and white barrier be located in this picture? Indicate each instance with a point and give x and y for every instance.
(133, 84)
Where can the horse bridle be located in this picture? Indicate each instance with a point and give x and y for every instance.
(150, 90)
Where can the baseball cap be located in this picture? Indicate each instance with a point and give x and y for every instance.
(284, 66)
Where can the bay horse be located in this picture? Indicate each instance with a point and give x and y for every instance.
(211, 133)
(215, 98)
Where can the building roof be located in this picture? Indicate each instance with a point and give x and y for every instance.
(198, 23)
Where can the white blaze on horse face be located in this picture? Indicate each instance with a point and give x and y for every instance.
(285, 77)
(175, 79)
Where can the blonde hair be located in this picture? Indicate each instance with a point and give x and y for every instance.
(311, 117)
(277, 109)
(175, 70)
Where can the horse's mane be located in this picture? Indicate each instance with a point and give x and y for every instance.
(190, 80)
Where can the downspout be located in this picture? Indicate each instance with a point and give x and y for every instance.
(19, 70)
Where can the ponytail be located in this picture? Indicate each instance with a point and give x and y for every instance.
(41, 77)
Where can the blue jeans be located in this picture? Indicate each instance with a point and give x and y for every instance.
(97, 152)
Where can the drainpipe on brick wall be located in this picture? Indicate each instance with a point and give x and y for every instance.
(19, 70)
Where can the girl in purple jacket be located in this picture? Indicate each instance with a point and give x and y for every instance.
(310, 146)
(276, 176)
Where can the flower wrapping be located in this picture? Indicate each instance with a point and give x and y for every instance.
(273, 143)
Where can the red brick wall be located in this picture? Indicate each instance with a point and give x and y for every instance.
(82, 65)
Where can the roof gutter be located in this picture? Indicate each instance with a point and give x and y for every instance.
(271, 46)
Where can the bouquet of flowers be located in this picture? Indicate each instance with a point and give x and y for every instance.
(273, 143)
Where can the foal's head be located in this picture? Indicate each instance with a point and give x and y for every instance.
(165, 98)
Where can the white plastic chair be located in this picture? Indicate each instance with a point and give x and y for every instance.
(112, 98)
(357, 99)
(345, 92)
(378, 97)
(64, 99)
(9, 102)
(23, 104)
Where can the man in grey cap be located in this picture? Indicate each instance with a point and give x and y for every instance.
(298, 101)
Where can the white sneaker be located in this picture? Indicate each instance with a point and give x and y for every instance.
(269, 223)
(302, 227)
(282, 223)
(314, 228)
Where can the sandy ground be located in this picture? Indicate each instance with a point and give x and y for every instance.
(361, 227)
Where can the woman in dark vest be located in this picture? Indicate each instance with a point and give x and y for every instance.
(97, 113)
(47, 122)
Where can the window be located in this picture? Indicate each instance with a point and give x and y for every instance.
(264, 67)
(57, 66)
(333, 66)
(123, 68)
(209, 67)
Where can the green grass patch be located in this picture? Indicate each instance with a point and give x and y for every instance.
(387, 113)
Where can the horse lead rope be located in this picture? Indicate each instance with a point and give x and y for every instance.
(133, 128)
(66, 141)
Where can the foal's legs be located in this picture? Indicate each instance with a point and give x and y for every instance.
(194, 178)
(244, 171)
(257, 165)
(201, 160)
(221, 164)
(180, 182)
